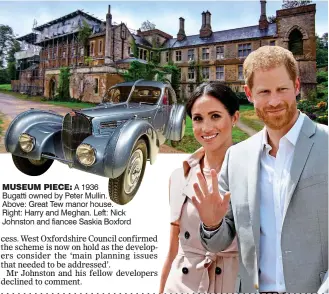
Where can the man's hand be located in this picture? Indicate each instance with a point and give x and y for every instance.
(212, 207)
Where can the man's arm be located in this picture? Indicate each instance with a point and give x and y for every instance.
(324, 288)
(220, 239)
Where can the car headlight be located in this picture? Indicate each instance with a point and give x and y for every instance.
(86, 154)
(26, 142)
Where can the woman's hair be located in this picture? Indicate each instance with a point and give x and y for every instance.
(222, 93)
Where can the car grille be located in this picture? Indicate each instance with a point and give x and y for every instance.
(112, 124)
(76, 127)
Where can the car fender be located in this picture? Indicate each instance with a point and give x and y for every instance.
(120, 146)
(174, 131)
(44, 126)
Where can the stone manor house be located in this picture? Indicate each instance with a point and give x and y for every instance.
(209, 55)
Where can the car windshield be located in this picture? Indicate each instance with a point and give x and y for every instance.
(141, 94)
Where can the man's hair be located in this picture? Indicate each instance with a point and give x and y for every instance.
(268, 57)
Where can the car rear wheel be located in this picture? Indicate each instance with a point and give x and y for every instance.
(182, 130)
(123, 188)
(175, 143)
(32, 167)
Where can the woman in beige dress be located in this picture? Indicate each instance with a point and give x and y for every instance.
(189, 268)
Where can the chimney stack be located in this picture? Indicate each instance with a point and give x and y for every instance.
(203, 20)
(108, 37)
(263, 22)
(206, 30)
(181, 33)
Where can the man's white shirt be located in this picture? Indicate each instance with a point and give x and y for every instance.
(274, 177)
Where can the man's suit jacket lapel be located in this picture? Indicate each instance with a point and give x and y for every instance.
(253, 190)
(302, 150)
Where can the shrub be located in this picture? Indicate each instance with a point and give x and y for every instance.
(322, 77)
(321, 94)
(305, 106)
(322, 105)
(63, 89)
(322, 119)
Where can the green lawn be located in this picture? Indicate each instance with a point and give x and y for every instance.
(249, 117)
(41, 99)
(189, 144)
(6, 87)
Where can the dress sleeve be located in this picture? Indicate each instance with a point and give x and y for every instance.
(176, 197)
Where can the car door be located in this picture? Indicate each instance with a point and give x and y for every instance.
(162, 115)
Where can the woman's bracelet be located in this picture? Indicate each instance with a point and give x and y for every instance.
(211, 228)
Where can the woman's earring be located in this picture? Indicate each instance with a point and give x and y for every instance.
(233, 125)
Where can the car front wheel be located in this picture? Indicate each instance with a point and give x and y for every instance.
(123, 188)
(32, 167)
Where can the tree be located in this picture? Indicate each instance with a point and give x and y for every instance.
(134, 48)
(291, 3)
(84, 34)
(64, 84)
(325, 40)
(4, 77)
(6, 37)
(321, 51)
(271, 19)
(11, 61)
(138, 70)
(175, 73)
(147, 26)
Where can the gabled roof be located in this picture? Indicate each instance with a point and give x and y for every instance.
(252, 32)
(29, 38)
(32, 67)
(141, 41)
(155, 31)
(68, 16)
(98, 30)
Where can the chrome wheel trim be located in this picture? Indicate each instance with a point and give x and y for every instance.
(133, 171)
(37, 162)
(183, 129)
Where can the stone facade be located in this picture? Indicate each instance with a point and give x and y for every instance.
(122, 42)
(211, 55)
(301, 19)
(88, 84)
(236, 44)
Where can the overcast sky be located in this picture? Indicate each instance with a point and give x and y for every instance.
(20, 15)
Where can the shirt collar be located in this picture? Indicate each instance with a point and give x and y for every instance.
(293, 133)
(291, 136)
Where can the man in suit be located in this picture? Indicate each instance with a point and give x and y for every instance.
(275, 187)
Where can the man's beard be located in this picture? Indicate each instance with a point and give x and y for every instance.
(277, 122)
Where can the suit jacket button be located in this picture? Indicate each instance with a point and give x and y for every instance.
(187, 235)
(184, 270)
(218, 270)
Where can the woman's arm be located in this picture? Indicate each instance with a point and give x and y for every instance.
(173, 249)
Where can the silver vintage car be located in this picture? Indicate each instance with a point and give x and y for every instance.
(113, 139)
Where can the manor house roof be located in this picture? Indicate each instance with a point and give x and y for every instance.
(252, 32)
(141, 41)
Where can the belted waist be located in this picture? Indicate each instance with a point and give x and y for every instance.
(209, 258)
(190, 251)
